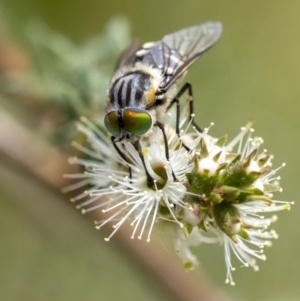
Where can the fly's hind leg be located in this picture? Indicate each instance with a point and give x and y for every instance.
(186, 87)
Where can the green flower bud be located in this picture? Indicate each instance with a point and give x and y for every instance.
(228, 219)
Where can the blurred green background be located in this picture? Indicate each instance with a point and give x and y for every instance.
(49, 252)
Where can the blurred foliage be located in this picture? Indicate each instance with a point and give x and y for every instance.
(45, 257)
(68, 80)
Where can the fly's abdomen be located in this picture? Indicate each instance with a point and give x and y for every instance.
(130, 89)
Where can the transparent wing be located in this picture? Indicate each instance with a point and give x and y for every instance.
(176, 52)
(190, 43)
(128, 55)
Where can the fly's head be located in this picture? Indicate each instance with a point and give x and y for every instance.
(129, 123)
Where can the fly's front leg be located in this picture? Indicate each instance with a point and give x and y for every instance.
(137, 146)
(162, 128)
(121, 155)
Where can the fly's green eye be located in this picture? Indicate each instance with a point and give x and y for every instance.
(137, 121)
(111, 123)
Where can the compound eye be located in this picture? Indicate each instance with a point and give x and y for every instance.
(111, 123)
(137, 121)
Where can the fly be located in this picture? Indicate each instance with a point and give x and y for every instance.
(145, 85)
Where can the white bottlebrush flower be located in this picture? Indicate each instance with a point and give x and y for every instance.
(127, 198)
(219, 196)
(184, 242)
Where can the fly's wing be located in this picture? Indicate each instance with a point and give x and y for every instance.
(176, 52)
(128, 55)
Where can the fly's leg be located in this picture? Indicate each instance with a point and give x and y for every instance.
(137, 146)
(186, 87)
(162, 128)
(121, 155)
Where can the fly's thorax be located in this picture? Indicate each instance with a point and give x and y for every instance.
(134, 86)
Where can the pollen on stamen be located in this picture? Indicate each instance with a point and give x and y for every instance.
(106, 239)
(189, 98)
(83, 211)
(268, 243)
(274, 234)
(253, 261)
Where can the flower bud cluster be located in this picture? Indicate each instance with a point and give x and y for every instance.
(228, 191)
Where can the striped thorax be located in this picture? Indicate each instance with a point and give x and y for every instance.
(135, 101)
